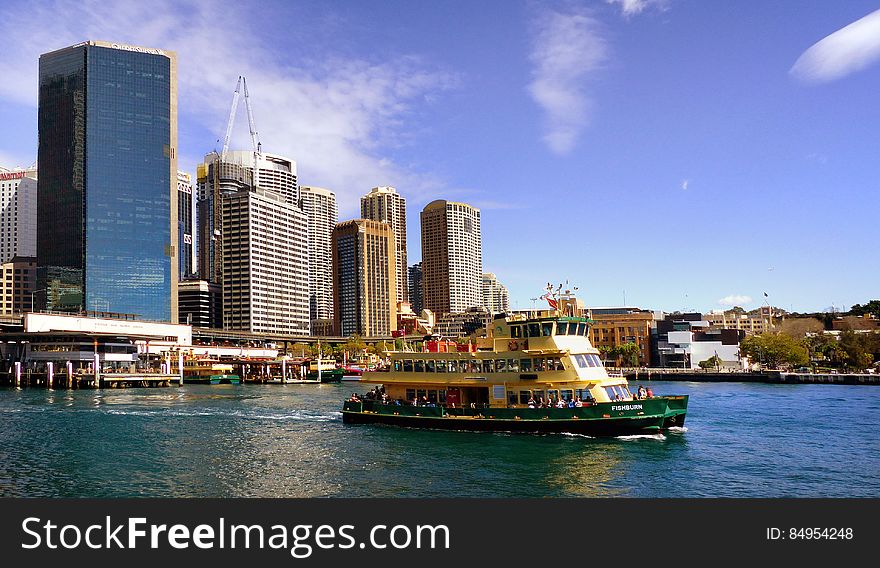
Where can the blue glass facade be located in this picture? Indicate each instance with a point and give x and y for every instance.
(123, 254)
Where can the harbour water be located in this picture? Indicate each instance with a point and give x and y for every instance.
(741, 440)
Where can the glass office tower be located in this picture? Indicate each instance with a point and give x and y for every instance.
(107, 202)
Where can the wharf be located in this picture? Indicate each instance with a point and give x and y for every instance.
(87, 380)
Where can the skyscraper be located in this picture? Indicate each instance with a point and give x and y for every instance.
(107, 184)
(265, 264)
(415, 288)
(319, 205)
(18, 213)
(452, 257)
(253, 241)
(386, 205)
(364, 278)
(185, 242)
(496, 298)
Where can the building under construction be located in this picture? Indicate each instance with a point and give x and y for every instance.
(253, 237)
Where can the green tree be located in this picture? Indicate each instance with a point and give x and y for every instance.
(872, 308)
(628, 354)
(775, 350)
(857, 349)
(355, 346)
(712, 362)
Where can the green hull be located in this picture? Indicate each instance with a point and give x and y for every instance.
(602, 419)
(213, 380)
(330, 376)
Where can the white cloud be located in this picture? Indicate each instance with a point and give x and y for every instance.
(735, 300)
(633, 7)
(567, 47)
(685, 183)
(846, 51)
(338, 118)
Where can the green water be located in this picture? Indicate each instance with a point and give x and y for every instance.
(741, 440)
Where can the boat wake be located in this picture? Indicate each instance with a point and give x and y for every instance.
(296, 415)
(678, 429)
(659, 437)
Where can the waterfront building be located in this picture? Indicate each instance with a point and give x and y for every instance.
(200, 303)
(18, 289)
(386, 205)
(415, 288)
(496, 298)
(18, 213)
(685, 340)
(185, 215)
(107, 162)
(364, 278)
(613, 327)
(452, 257)
(265, 264)
(319, 205)
(755, 322)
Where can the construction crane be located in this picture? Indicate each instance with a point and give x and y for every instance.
(255, 138)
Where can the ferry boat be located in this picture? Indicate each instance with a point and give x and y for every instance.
(513, 380)
(330, 373)
(209, 371)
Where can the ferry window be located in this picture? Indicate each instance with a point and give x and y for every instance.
(397, 366)
(554, 394)
(421, 393)
(419, 366)
(441, 366)
(488, 365)
(547, 328)
(410, 394)
(534, 330)
(583, 394)
(500, 365)
(513, 365)
(429, 366)
(515, 331)
(612, 394)
(524, 397)
(441, 396)
(539, 364)
(582, 329)
(538, 395)
(555, 364)
(463, 366)
(562, 328)
(596, 361)
(407, 365)
(432, 396)
(526, 365)
(452, 366)
(511, 397)
(566, 394)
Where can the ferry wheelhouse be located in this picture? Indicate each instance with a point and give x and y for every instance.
(528, 374)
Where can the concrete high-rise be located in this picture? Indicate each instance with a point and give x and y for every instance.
(18, 213)
(107, 237)
(265, 264)
(386, 205)
(185, 215)
(364, 278)
(253, 241)
(219, 176)
(319, 205)
(496, 298)
(415, 288)
(452, 257)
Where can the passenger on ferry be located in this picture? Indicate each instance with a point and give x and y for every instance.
(577, 402)
(532, 402)
(354, 397)
(649, 393)
(560, 403)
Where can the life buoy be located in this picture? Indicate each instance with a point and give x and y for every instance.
(513, 345)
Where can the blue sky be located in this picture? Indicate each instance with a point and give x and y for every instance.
(685, 154)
